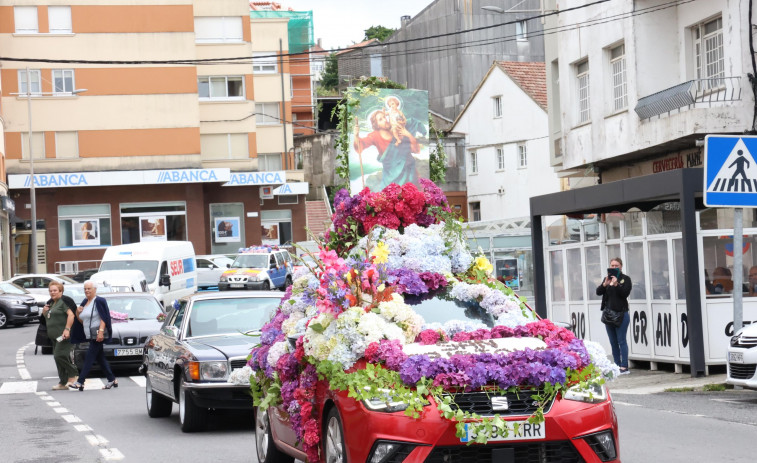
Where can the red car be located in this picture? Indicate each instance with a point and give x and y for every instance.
(578, 426)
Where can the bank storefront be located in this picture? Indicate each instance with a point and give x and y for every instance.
(678, 254)
(220, 211)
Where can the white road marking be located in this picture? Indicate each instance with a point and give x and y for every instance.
(24, 373)
(96, 440)
(53, 404)
(91, 384)
(82, 427)
(60, 410)
(41, 393)
(111, 454)
(72, 418)
(140, 380)
(625, 403)
(46, 397)
(18, 387)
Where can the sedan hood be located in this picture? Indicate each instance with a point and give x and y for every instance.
(750, 330)
(136, 328)
(491, 346)
(230, 345)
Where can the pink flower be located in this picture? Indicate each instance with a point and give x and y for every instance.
(428, 337)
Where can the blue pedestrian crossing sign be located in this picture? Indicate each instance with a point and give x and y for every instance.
(730, 171)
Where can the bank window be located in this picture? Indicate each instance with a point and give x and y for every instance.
(679, 268)
(575, 276)
(158, 221)
(220, 88)
(612, 221)
(63, 81)
(25, 18)
(556, 268)
(276, 226)
(658, 266)
(267, 114)
(288, 199)
(595, 271)
(269, 162)
(665, 218)
(59, 19)
(722, 219)
(218, 29)
(633, 223)
(634, 268)
(85, 225)
(264, 63)
(33, 81)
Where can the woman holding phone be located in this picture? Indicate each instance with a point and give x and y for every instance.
(614, 290)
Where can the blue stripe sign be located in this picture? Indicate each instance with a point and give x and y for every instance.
(730, 171)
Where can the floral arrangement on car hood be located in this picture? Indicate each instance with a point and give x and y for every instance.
(347, 322)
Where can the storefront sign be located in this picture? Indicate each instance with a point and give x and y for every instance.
(679, 161)
(296, 188)
(112, 178)
(256, 178)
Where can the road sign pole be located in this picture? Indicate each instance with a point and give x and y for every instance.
(738, 270)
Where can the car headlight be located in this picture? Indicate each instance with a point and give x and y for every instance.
(590, 393)
(17, 302)
(384, 404)
(736, 337)
(208, 371)
(224, 278)
(254, 277)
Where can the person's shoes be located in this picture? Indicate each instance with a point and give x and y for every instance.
(60, 387)
(625, 371)
(111, 384)
(77, 385)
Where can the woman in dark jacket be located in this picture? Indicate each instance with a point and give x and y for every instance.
(93, 325)
(615, 290)
(59, 315)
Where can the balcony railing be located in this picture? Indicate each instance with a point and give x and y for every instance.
(689, 94)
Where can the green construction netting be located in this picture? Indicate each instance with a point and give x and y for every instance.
(300, 27)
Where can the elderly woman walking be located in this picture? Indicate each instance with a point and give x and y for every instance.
(59, 316)
(93, 326)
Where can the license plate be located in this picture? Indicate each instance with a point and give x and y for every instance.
(736, 357)
(123, 352)
(34, 310)
(237, 285)
(525, 431)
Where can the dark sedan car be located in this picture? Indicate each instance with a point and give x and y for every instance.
(135, 318)
(17, 306)
(206, 336)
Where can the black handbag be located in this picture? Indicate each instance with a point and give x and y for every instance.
(41, 339)
(612, 318)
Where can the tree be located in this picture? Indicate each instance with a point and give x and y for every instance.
(330, 76)
(378, 32)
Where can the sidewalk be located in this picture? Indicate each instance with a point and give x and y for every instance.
(645, 381)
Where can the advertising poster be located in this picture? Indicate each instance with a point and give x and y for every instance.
(86, 232)
(270, 233)
(389, 139)
(227, 230)
(152, 229)
(507, 272)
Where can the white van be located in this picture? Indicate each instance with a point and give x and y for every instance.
(168, 266)
(121, 281)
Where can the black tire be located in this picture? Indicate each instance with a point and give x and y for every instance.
(222, 288)
(266, 449)
(3, 320)
(158, 406)
(287, 283)
(333, 438)
(266, 285)
(47, 350)
(191, 417)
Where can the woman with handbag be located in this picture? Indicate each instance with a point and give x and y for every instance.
(615, 289)
(59, 316)
(93, 326)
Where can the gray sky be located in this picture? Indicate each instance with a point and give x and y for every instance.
(341, 23)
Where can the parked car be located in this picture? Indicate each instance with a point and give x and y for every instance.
(76, 291)
(259, 267)
(38, 283)
(135, 318)
(11, 288)
(205, 337)
(742, 358)
(84, 275)
(16, 307)
(210, 268)
(120, 281)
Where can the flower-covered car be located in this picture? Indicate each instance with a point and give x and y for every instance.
(399, 346)
(258, 267)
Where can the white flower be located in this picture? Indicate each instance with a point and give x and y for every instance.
(276, 351)
(599, 358)
(241, 376)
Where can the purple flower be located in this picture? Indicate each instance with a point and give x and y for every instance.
(414, 368)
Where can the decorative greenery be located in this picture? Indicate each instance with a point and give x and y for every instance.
(437, 156)
(378, 32)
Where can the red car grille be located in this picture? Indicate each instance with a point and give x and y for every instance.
(742, 370)
(553, 452)
(481, 403)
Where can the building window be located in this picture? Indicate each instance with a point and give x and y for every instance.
(497, 102)
(474, 162)
(264, 63)
(522, 156)
(158, 221)
(66, 145)
(500, 159)
(63, 81)
(220, 88)
(218, 29)
(708, 53)
(38, 145)
(269, 162)
(582, 75)
(288, 199)
(475, 211)
(276, 226)
(35, 78)
(618, 65)
(84, 225)
(521, 31)
(25, 18)
(218, 146)
(267, 114)
(59, 19)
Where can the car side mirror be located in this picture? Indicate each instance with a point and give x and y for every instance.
(228, 265)
(171, 331)
(165, 280)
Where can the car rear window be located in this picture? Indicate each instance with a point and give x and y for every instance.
(230, 315)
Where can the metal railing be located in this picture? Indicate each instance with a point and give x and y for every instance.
(689, 94)
(75, 266)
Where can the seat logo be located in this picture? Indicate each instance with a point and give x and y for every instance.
(500, 403)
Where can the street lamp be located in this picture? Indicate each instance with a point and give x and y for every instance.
(496, 9)
(32, 192)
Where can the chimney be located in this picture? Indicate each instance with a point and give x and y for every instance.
(404, 20)
(319, 42)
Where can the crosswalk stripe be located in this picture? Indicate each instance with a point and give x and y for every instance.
(90, 384)
(18, 387)
(140, 380)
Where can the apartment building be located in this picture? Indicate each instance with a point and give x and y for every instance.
(634, 89)
(148, 121)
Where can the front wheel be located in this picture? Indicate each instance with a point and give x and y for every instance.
(191, 417)
(267, 450)
(3, 320)
(266, 285)
(158, 406)
(333, 440)
(287, 283)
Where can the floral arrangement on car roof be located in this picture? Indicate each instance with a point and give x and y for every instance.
(347, 322)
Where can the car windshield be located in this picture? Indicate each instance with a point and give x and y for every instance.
(10, 288)
(251, 261)
(66, 279)
(230, 315)
(138, 308)
(76, 292)
(441, 309)
(148, 267)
